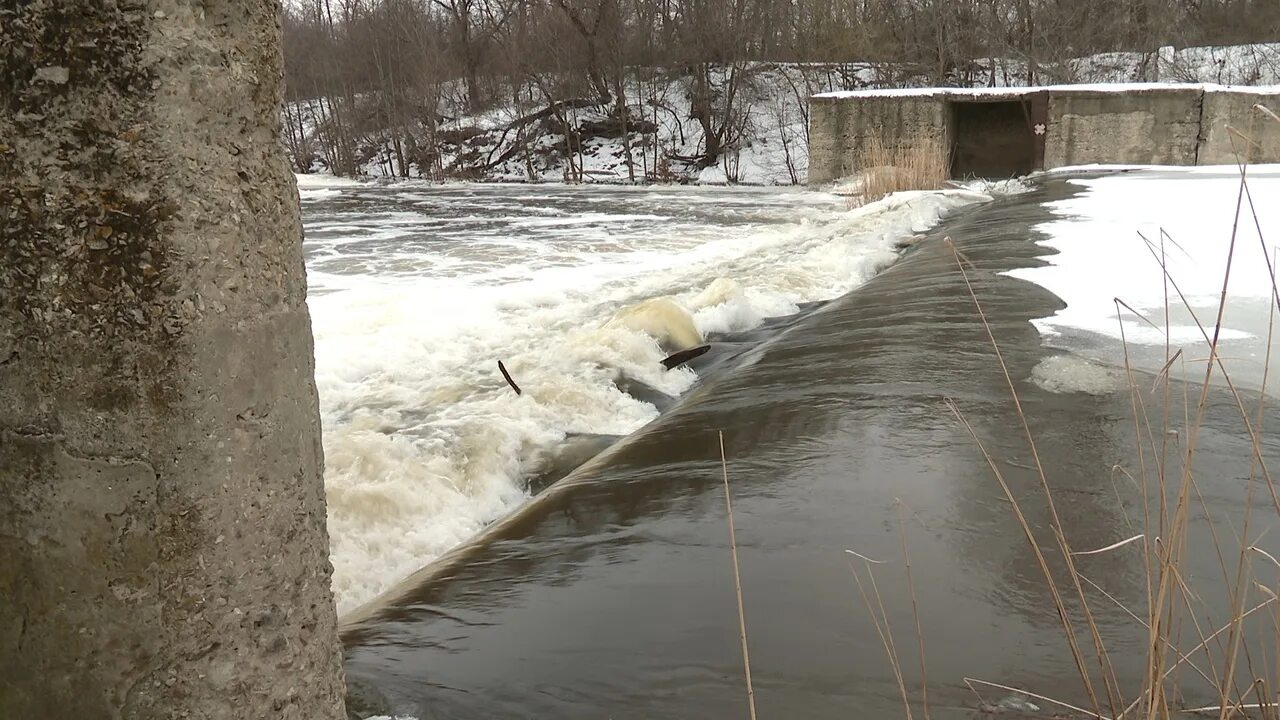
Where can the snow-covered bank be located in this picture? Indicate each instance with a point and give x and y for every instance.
(1110, 240)
(420, 288)
(765, 126)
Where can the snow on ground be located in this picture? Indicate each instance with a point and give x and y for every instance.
(1224, 64)
(1107, 243)
(773, 147)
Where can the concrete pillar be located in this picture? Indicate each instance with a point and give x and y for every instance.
(163, 552)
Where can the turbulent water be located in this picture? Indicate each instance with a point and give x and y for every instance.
(417, 291)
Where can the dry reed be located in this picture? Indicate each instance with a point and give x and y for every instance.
(887, 169)
(737, 584)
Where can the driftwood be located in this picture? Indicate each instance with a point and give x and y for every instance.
(670, 363)
(552, 109)
(684, 356)
(506, 375)
(546, 112)
(614, 127)
(458, 136)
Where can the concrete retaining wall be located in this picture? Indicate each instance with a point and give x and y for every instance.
(163, 551)
(1149, 127)
(838, 130)
(1235, 109)
(1078, 125)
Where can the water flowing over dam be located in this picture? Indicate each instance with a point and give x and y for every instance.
(417, 292)
(610, 594)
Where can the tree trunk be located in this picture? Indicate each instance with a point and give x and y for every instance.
(700, 109)
(163, 551)
(624, 115)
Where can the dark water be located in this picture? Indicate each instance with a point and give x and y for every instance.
(612, 594)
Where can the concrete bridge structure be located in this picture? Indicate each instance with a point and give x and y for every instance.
(1002, 132)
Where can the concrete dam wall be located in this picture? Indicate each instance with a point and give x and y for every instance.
(1000, 132)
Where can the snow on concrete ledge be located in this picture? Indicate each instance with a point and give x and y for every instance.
(1014, 92)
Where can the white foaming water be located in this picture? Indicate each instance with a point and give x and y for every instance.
(418, 291)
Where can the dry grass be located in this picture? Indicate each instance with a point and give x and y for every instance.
(737, 584)
(888, 169)
(1167, 419)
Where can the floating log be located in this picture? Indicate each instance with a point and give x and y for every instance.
(684, 356)
(503, 369)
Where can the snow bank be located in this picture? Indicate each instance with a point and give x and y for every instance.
(1107, 243)
(312, 181)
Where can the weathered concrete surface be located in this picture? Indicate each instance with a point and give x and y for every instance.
(163, 552)
(1165, 124)
(1236, 110)
(839, 128)
(1141, 127)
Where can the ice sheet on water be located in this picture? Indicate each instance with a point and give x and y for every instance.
(1105, 247)
(321, 186)
(1071, 373)
(1007, 186)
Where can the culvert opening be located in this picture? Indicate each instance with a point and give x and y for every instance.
(994, 139)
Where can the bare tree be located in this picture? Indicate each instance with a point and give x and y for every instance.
(381, 77)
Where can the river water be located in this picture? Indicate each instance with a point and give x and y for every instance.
(418, 292)
(611, 594)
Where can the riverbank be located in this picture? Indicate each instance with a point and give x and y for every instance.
(759, 112)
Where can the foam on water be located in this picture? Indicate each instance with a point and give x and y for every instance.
(425, 443)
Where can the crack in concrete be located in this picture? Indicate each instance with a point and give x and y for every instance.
(22, 632)
(1201, 136)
